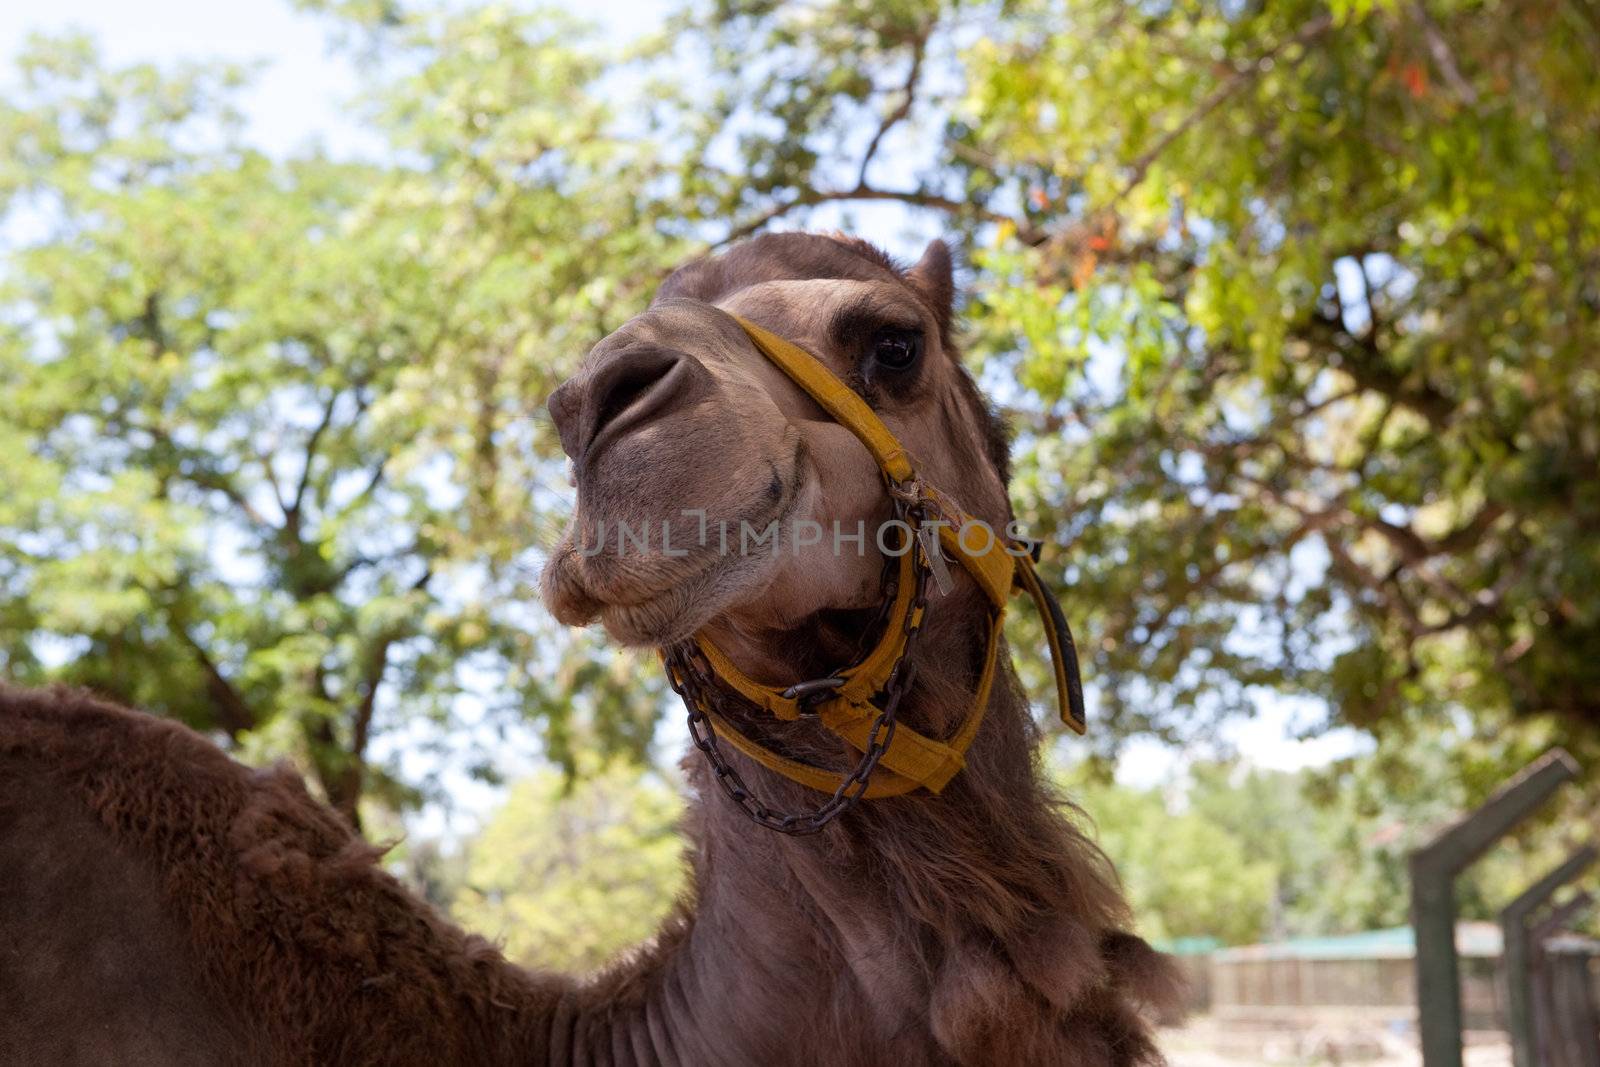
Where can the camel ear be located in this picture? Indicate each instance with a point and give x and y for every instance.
(934, 278)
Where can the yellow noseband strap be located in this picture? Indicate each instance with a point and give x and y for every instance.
(836, 398)
(1000, 568)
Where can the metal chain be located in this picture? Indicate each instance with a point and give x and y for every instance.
(694, 680)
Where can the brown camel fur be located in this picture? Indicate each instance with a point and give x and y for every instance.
(162, 904)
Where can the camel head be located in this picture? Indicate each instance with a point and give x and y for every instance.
(687, 444)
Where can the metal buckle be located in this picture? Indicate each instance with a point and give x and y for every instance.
(809, 694)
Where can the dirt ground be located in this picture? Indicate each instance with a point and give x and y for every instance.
(1206, 1043)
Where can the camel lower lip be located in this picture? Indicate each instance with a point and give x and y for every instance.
(668, 611)
(727, 543)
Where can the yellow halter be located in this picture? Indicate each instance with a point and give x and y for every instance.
(851, 702)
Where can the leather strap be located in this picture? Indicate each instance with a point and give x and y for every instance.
(999, 567)
(1063, 650)
(836, 398)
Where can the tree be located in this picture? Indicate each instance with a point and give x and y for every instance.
(1243, 854)
(1294, 308)
(1186, 876)
(272, 466)
(1373, 810)
(568, 874)
(1273, 814)
(1303, 302)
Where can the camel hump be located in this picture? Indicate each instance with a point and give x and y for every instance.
(92, 969)
(68, 728)
(161, 903)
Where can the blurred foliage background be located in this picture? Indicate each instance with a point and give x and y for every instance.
(1295, 309)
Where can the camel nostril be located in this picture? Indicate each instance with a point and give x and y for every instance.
(625, 390)
(631, 381)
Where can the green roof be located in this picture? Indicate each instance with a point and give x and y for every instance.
(1187, 946)
(1399, 942)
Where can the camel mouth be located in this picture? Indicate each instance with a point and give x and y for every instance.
(663, 592)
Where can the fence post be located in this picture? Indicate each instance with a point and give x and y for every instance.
(1572, 1000)
(1434, 868)
(1556, 1037)
(1518, 958)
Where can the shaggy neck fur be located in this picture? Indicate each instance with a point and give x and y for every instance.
(974, 928)
(977, 927)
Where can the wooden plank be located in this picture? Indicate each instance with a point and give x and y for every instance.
(1519, 948)
(1552, 1040)
(1434, 868)
(1573, 996)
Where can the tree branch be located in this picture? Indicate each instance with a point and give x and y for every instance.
(1385, 587)
(1443, 57)
(908, 92)
(1363, 360)
(346, 781)
(1219, 96)
(312, 442)
(234, 713)
(1470, 532)
(271, 478)
(814, 198)
(374, 479)
(201, 473)
(361, 720)
(1412, 548)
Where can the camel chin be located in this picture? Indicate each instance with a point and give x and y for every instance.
(655, 600)
(679, 612)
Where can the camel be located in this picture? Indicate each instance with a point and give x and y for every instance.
(163, 904)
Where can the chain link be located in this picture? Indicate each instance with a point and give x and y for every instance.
(694, 680)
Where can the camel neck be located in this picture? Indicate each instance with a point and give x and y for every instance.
(847, 937)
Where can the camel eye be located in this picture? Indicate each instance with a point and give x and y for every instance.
(896, 349)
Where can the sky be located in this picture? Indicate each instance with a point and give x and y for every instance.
(302, 91)
(301, 97)
(297, 97)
